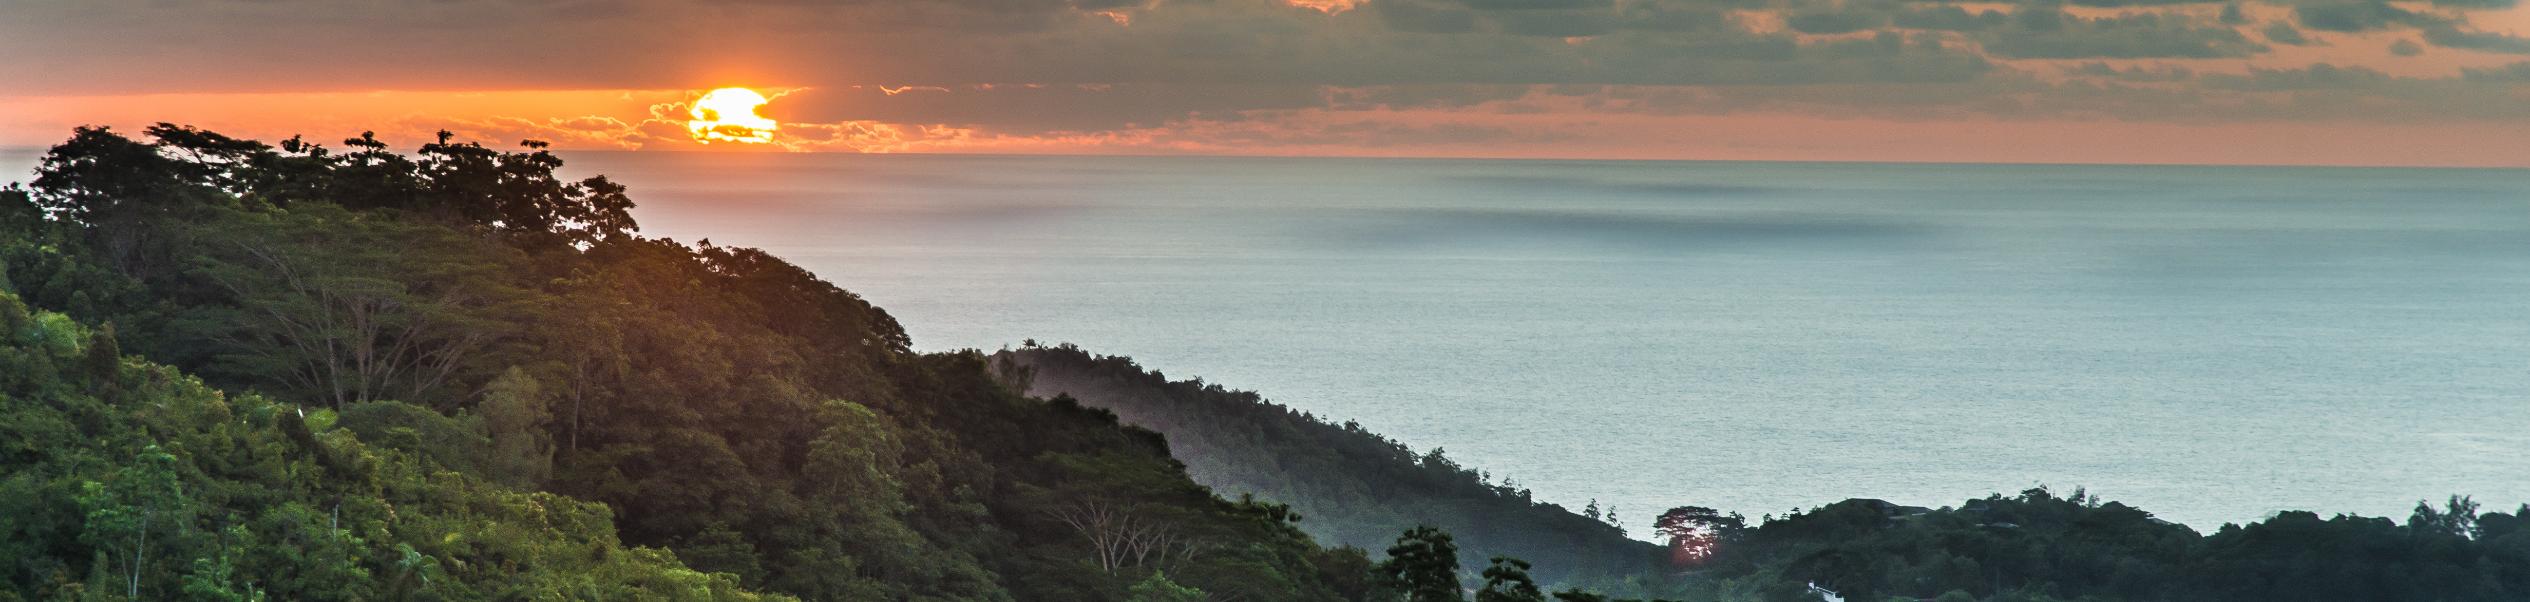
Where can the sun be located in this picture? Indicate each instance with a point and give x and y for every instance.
(728, 115)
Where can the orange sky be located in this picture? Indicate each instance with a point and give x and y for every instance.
(1643, 79)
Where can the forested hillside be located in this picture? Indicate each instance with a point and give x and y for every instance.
(1357, 487)
(1353, 486)
(127, 480)
(483, 336)
(2039, 546)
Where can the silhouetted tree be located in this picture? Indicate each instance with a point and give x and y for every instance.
(2456, 517)
(1421, 567)
(1508, 581)
(1695, 533)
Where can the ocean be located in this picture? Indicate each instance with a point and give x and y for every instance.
(2212, 344)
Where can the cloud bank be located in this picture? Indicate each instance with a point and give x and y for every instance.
(1223, 75)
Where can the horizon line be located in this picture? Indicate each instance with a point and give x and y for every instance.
(39, 149)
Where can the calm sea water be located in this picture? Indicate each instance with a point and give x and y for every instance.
(2212, 344)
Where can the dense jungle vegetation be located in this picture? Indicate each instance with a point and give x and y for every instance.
(232, 370)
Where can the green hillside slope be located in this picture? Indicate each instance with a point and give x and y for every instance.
(1354, 486)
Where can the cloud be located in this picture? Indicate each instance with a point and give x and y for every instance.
(894, 75)
(2356, 15)
(2104, 70)
(1832, 22)
(2233, 14)
(2450, 36)
(2322, 76)
(2284, 33)
(2513, 73)
(1951, 18)
(2477, 4)
(2051, 33)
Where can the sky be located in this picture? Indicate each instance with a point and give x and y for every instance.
(2339, 82)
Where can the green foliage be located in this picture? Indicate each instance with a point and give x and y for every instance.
(1157, 588)
(1421, 567)
(441, 440)
(485, 327)
(516, 413)
(177, 491)
(337, 307)
(136, 501)
(1508, 581)
(2041, 546)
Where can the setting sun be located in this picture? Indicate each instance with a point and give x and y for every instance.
(728, 115)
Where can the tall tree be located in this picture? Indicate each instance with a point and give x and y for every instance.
(337, 307)
(1695, 533)
(142, 505)
(517, 195)
(123, 192)
(515, 411)
(1508, 581)
(1421, 567)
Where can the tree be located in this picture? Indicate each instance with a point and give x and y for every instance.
(518, 196)
(1695, 533)
(1119, 536)
(1157, 588)
(515, 410)
(215, 578)
(1421, 567)
(1508, 581)
(120, 190)
(337, 307)
(2457, 517)
(141, 500)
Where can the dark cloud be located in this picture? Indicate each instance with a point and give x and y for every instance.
(2450, 36)
(2406, 47)
(2132, 74)
(2284, 33)
(1425, 17)
(1523, 5)
(2477, 4)
(2127, 3)
(2053, 34)
(1557, 23)
(2356, 15)
(1951, 18)
(2513, 73)
(2318, 92)
(1025, 67)
(1675, 17)
(1834, 22)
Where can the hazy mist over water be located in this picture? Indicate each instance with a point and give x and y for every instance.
(2210, 343)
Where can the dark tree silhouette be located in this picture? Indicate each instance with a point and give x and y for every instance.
(1695, 533)
(1508, 581)
(1421, 567)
